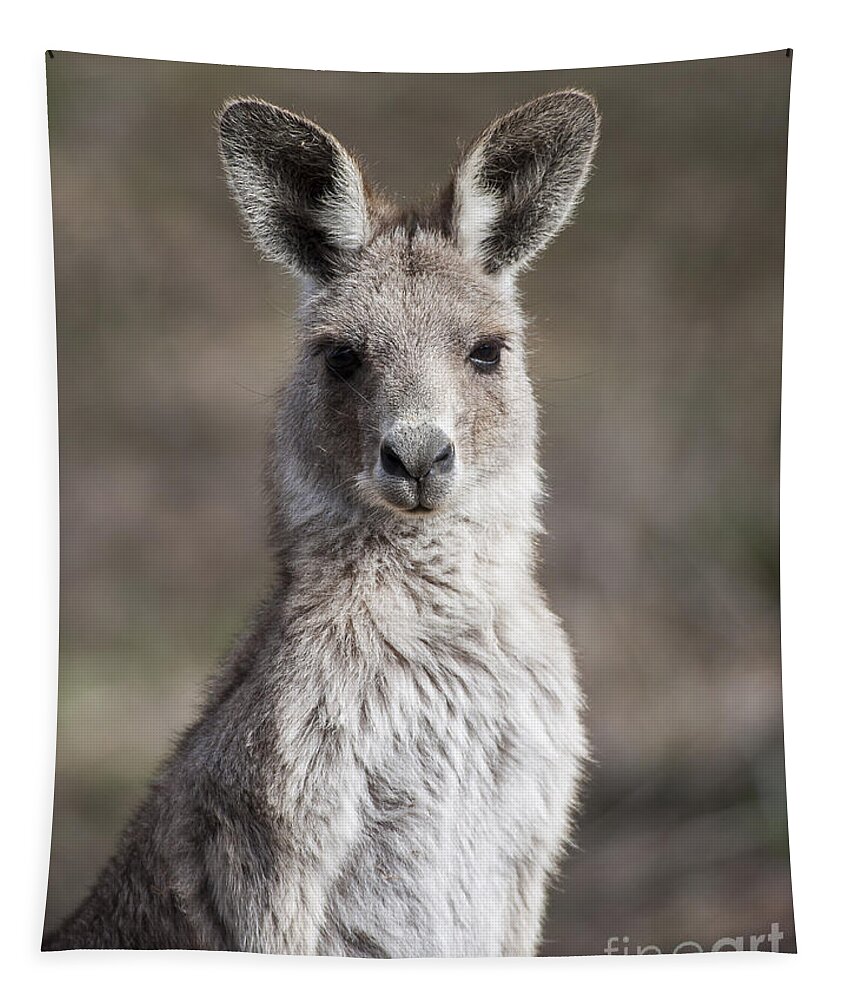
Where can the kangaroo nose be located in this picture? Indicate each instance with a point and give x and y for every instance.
(417, 453)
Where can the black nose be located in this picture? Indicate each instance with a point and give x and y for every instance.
(416, 456)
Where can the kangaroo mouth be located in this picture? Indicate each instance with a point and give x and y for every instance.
(410, 508)
(414, 498)
(416, 506)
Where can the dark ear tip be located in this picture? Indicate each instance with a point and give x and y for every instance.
(573, 110)
(579, 104)
(232, 114)
(572, 104)
(240, 113)
(235, 106)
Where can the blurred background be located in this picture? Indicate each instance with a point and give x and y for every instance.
(656, 349)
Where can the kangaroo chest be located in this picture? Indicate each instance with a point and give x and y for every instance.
(429, 763)
(452, 804)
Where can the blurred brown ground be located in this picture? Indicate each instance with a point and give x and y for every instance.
(656, 334)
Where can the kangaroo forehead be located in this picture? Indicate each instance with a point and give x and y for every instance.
(420, 279)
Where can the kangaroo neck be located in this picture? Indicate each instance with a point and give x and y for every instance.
(463, 554)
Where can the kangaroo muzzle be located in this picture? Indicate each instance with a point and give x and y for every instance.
(416, 466)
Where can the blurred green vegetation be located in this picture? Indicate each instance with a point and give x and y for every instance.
(656, 348)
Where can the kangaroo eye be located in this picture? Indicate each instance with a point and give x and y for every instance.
(487, 354)
(342, 361)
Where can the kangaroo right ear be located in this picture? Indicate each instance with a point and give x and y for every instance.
(519, 182)
(302, 195)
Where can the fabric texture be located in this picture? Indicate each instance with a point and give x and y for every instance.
(419, 443)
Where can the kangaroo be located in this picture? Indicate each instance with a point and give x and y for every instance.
(388, 763)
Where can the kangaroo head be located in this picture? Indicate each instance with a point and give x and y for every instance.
(410, 397)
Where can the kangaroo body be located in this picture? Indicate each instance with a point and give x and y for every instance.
(388, 762)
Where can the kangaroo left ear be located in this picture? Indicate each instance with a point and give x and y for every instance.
(302, 195)
(518, 183)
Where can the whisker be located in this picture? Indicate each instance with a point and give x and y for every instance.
(254, 392)
(346, 482)
(345, 416)
(566, 378)
(354, 390)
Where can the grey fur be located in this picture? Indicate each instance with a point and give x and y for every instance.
(388, 762)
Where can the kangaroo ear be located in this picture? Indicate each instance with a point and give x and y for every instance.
(301, 194)
(518, 183)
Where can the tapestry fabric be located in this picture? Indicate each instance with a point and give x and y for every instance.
(419, 469)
